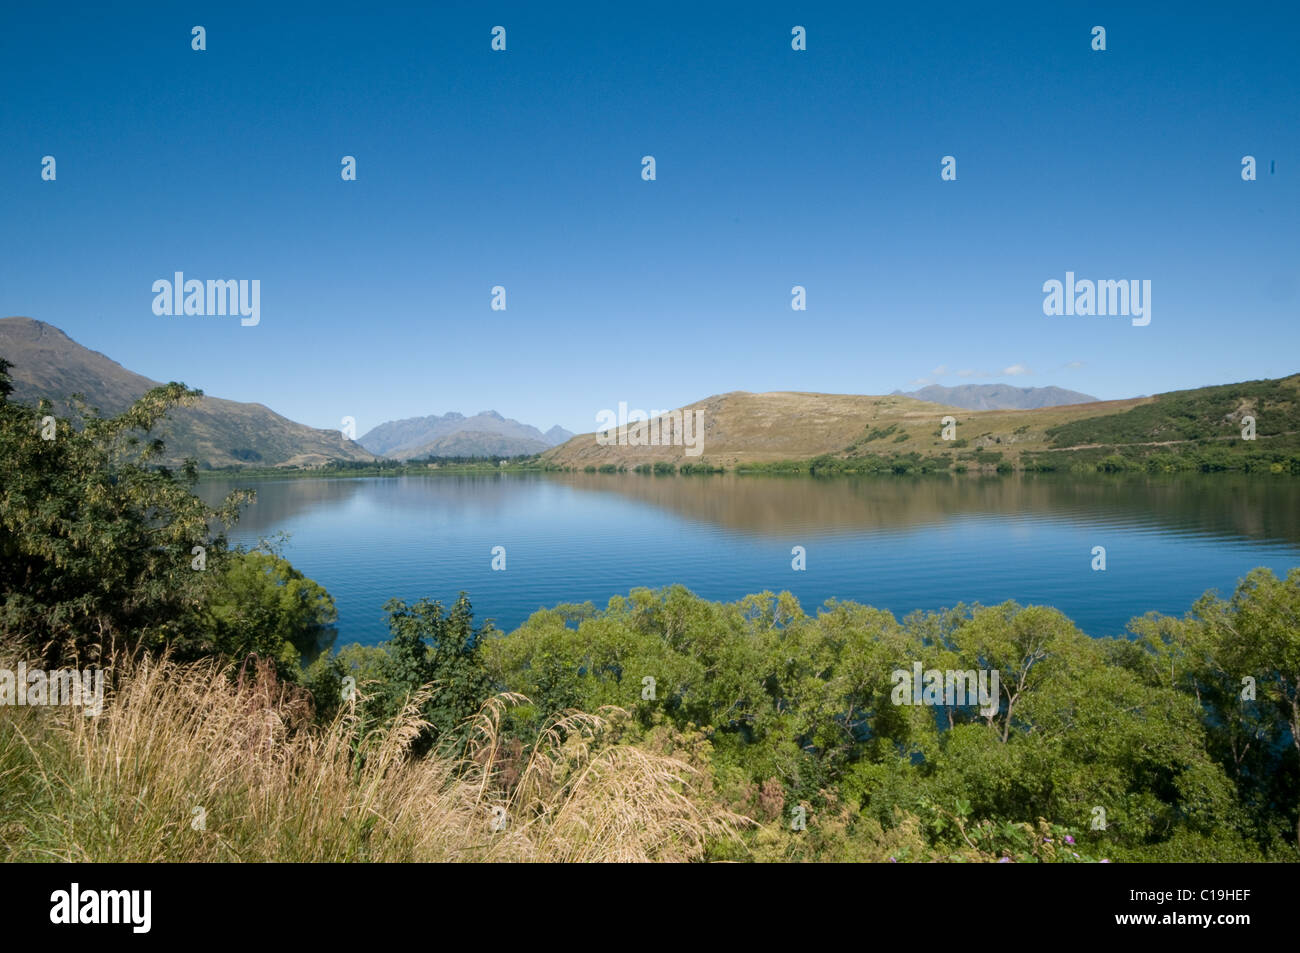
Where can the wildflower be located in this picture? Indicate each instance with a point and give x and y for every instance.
(1069, 840)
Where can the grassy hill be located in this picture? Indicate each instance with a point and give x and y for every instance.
(49, 364)
(1193, 429)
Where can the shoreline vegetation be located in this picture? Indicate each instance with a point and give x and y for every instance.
(1078, 463)
(661, 727)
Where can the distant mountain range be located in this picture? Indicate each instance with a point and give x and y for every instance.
(48, 363)
(451, 435)
(997, 396)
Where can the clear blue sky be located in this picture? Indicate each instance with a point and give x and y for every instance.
(775, 168)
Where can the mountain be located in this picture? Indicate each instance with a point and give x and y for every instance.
(48, 363)
(451, 435)
(997, 396)
(741, 428)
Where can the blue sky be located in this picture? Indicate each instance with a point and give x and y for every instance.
(774, 168)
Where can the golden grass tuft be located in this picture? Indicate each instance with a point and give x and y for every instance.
(204, 763)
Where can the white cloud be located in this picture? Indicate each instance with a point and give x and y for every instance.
(1074, 364)
(1016, 370)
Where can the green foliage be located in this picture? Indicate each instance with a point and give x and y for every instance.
(798, 709)
(261, 604)
(96, 545)
(429, 647)
(1207, 412)
(879, 433)
(101, 551)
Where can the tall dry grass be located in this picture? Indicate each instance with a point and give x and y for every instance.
(201, 763)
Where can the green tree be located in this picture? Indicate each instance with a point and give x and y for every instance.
(97, 546)
(261, 604)
(429, 647)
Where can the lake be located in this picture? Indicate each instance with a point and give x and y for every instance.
(898, 543)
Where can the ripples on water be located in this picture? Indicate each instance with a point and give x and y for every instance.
(893, 542)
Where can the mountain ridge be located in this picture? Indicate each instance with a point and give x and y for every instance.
(47, 363)
(997, 396)
(433, 435)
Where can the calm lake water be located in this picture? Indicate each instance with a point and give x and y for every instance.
(894, 542)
